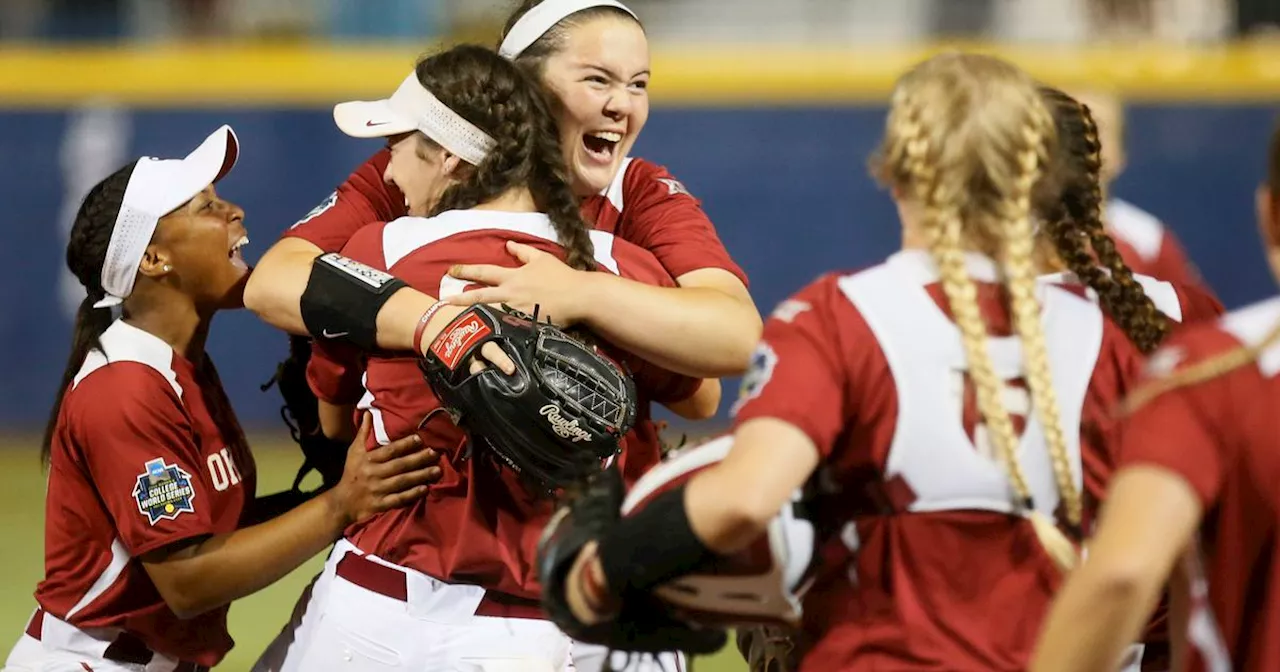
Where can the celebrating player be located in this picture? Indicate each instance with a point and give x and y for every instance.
(593, 56)
(945, 495)
(150, 477)
(1193, 501)
(474, 150)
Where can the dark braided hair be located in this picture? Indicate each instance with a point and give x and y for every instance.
(1075, 223)
(490, 92)
(535, 57)
(86, 253)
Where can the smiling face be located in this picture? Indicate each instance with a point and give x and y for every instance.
(600, 76)
(201, 242)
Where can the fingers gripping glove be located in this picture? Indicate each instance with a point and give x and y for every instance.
(643, 624)
(301, 414)
(556, 419)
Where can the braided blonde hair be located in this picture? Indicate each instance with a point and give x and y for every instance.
(969, 139)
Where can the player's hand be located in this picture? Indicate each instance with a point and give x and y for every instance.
(386, 477)
(541, 279)
(490, 353)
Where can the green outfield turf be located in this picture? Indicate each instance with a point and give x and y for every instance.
(254, 620)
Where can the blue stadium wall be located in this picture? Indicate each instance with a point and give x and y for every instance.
(785, 183)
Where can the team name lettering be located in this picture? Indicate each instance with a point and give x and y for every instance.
(568, 429)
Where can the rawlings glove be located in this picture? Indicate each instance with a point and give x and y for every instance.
(643, 624)
(556, 420)
(301, 414)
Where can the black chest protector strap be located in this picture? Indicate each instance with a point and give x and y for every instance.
(342, 300)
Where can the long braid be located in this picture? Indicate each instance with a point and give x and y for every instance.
(86, 253)
(959, 141)
(943, 223)
(508, 104)
(1020, 273)
(1137, 313)
(549, 183)
(1075, 221)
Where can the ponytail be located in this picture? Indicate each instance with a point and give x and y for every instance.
(85, 336)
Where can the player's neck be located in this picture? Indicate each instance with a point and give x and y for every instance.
(171, 317)
(516, 199)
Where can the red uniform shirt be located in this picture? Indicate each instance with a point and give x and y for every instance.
(1222, 437)
(146, 453)
(1148, 247)
(478, 524)
(956, 587)
(644, 205)
(1184, 304)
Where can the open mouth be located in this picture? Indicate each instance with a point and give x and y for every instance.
(235, 255)
(601, 145)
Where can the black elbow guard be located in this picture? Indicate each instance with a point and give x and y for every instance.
(342, 300)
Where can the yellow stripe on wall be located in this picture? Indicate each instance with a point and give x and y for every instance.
(163, 76)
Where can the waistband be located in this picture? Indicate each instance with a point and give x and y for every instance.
(393, 582)
(123, 647)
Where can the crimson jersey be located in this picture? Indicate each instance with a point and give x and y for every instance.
(929, 570)
(478, 524)
(1148, 247)
(1222, 437)
(644, 205)
(146, 453)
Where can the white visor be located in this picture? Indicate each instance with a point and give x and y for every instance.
(413, 108)
(537, 21)
(156, 188)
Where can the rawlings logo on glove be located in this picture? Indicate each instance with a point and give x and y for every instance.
(556, 419)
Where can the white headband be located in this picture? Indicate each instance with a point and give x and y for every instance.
(156, 188)
(537, 21)
(413, 108)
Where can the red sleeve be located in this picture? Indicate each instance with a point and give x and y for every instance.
(661, 216)
(335, 372)
(137, 443)
(1198, 303)
(1172, 265)
(1186, 430)
(362, 199)
(797, 373)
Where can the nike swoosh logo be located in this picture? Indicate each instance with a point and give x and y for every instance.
(326, 334)
(371, 124)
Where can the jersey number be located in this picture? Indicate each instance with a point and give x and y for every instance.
(222, 469)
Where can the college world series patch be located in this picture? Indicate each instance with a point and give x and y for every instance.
(164, 491)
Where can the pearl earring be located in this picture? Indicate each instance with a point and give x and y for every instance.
(167, 268)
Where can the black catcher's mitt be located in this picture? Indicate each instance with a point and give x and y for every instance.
(556, 420)
(644, 624)
(301, 414)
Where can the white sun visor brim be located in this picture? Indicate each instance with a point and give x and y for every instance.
(371, 119)
(156, 188)
(413, 108)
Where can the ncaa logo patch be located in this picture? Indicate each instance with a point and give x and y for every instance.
(758, 374)
(163, 491)
(327, 203)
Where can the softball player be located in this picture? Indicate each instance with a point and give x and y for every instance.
(594, 57)
(1194, 499)
(957, 504)
(150, 477)
(451, 585)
